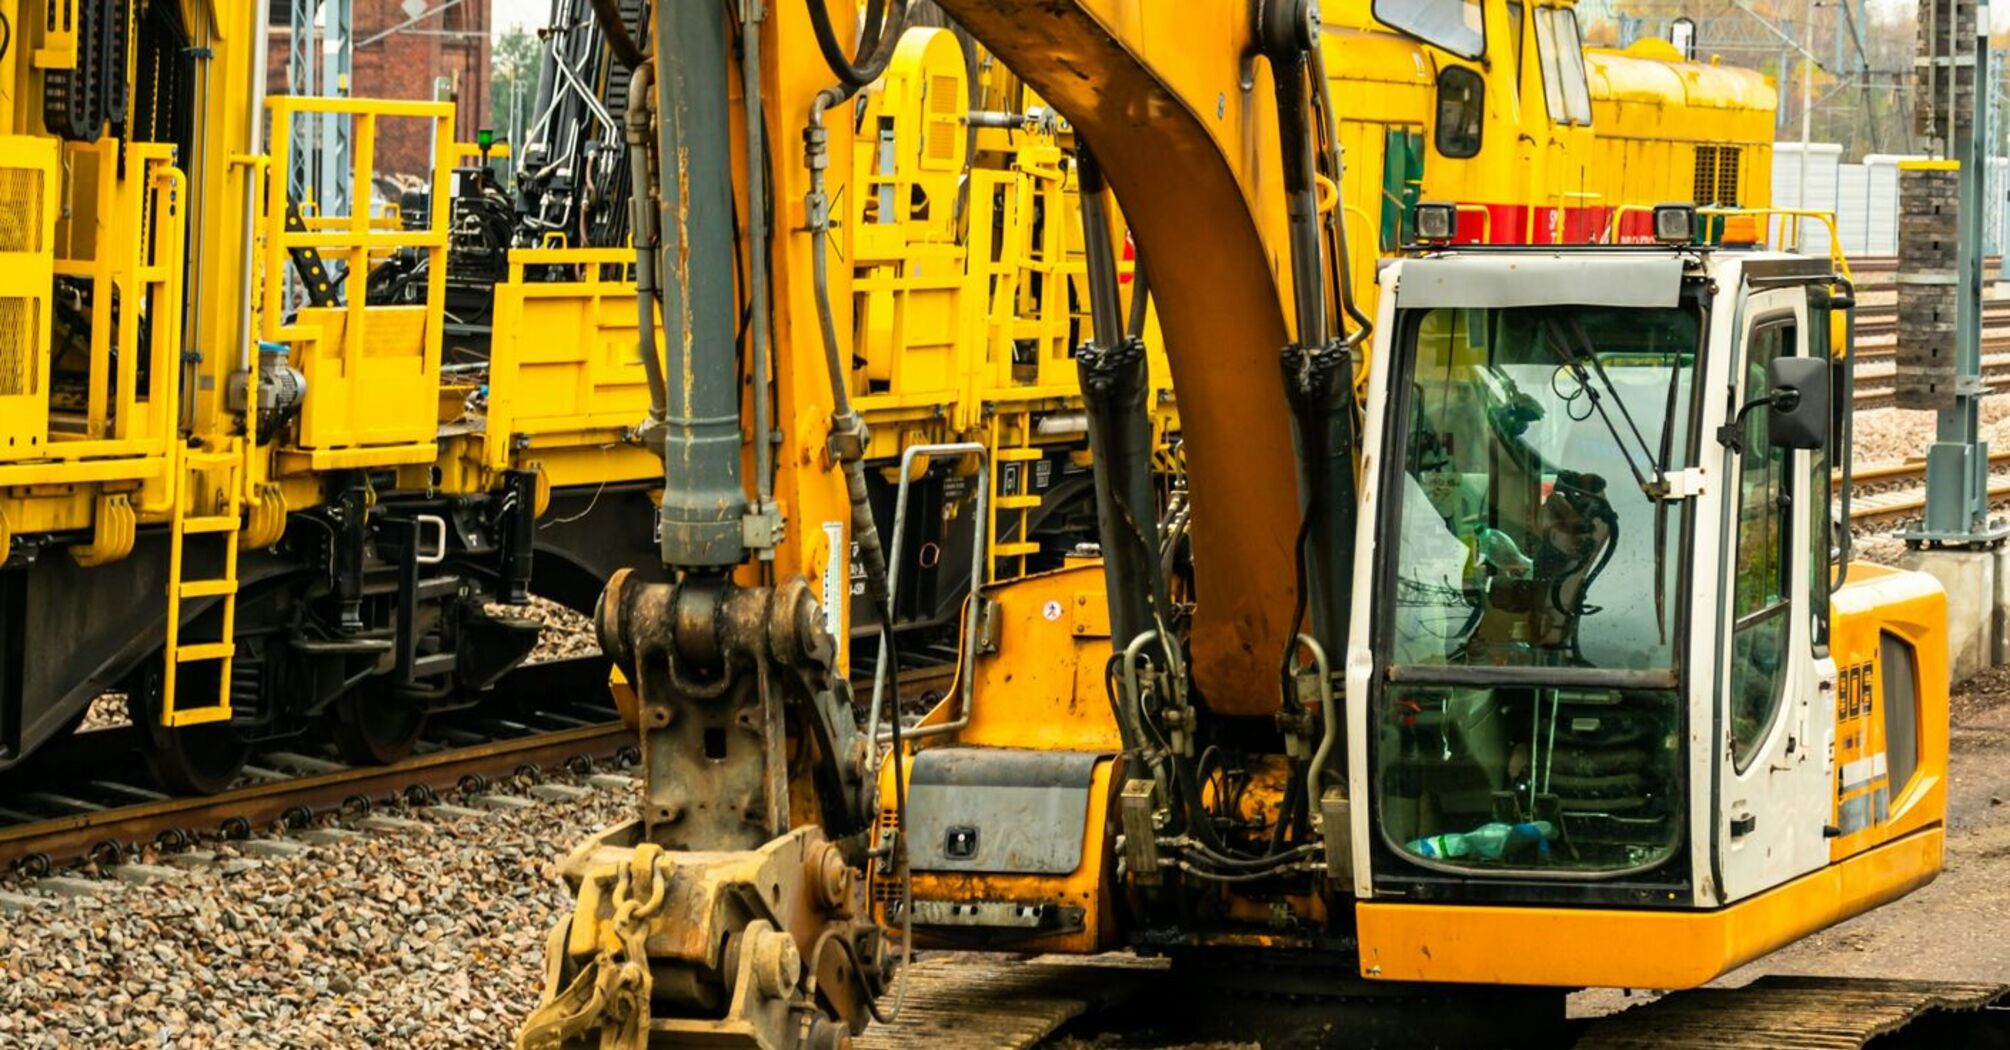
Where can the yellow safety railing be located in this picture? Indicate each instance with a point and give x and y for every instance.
(564, 371)
(126, 243)
(375, 373)
(1782, 215)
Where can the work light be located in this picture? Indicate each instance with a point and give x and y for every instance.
(1437, 222)
(1675, 223)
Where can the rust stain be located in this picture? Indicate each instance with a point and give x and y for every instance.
(687, 377)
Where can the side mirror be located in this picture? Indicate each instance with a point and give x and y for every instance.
(1798, 410)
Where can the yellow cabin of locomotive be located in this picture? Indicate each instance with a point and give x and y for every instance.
(1534, 138)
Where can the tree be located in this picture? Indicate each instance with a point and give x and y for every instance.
(512, 80)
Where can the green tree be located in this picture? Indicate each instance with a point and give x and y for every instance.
(512, 80)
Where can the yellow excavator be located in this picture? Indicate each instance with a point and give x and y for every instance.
(1504, 649)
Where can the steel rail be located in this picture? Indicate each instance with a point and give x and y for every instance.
(236, 812)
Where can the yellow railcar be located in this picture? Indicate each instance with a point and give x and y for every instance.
(1535, 138)
(338, 432)
(1668, 130)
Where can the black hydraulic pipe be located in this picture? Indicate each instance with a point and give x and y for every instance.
(608, 14)
(703, 499)
(1318, 368)
(1115, 394)
(1141, 299)
(1301, 194)
(643, 222)
(884, 22)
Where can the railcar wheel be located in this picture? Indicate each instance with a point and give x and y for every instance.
(188, 760)
(373, 726)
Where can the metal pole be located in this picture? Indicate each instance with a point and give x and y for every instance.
(337, 61)
(1998, 60)
(1780, 108)
(1807, 111)
(300, 70)
(1957, 466)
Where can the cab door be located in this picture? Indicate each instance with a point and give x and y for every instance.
(1773, 673)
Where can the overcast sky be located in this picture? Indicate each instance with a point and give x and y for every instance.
(1999, 13)
(526, 13)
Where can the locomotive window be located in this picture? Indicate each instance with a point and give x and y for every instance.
(1514, 34)
(1570, 62)
(1455, 25)
(1461, 109)
(1545, 54)
(1761, 584)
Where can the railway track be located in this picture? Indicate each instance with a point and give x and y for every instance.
(1900, 490)
(67, 807)
(1877, 391)
(90, 797)
(1875, 273)
(1881, 319)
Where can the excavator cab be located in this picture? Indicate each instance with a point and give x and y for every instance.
(1609, 653)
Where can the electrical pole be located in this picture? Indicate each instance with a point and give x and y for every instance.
(1957, 464)
(1807, 109)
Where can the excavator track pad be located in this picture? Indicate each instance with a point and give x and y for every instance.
(1817, 1013)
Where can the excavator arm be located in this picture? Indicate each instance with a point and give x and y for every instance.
(1174, 88)
(732, 911)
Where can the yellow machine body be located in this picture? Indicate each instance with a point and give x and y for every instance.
(1876, 724)
(1426, 760)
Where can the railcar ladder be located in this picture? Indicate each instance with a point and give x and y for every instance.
(218, 517)
(1015, 463)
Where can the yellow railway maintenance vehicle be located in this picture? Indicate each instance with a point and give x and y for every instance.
(224, 483)
(1539, 673)
(1536, 138)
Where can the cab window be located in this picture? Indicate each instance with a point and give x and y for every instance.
(1761, 583)
(1455, 25)
(1461, 108)
(1570, 61)
(1561, 54)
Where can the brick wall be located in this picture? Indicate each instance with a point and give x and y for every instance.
(451, 43)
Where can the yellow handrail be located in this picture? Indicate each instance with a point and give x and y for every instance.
(1486, 220)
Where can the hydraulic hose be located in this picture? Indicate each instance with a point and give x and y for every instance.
(642, 215)
(757, 266)
(848, 431)
(1140, 300)
(849, 436)
(883, 26)
(1343, 290)
(608, 14)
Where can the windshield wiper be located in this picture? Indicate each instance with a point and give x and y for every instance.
(1574, 355)
(1657, 490)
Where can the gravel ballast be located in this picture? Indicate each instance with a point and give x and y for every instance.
(415, 938)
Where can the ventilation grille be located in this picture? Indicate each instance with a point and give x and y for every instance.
(17, 346)
(944, 98)
(1716, 176)
(1727, 176)
(1705, 189)
(20, 210)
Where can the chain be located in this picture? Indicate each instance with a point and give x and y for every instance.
(610, 995)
